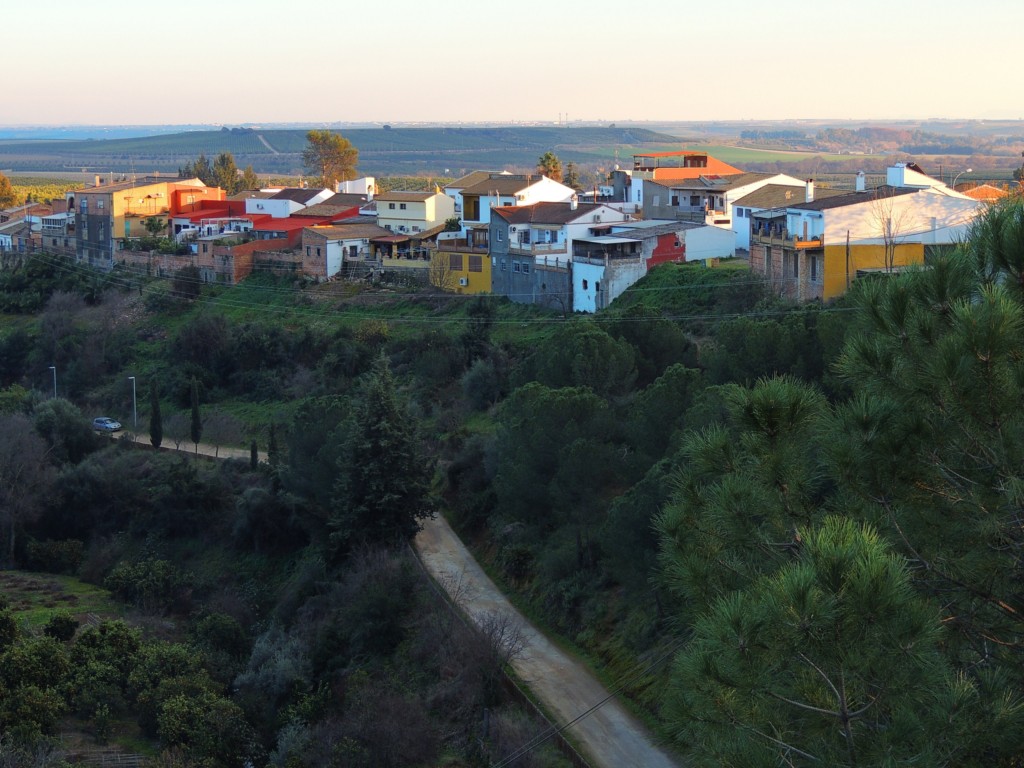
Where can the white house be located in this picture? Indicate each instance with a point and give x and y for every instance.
(500, 190)
(454, 188)
(325, 249)
(282, 203)
(410, 212)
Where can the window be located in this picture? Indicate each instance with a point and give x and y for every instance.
(391, 206)
(584, 285)
(515, 266)
(455, 262)
(99, 203)
(318, 252)
(84, 205)
(796, 266)
(308, 249)
(499, 236)
(401, 206)
(526, 268)
(675, 201)
(387, 227)
(415, 228)
(205, 248)
(597, 287)
(694, 201)
(476, 263)
(502, 265)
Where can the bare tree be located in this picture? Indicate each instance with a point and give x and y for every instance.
(890, 219)
(26, 475)
(441, 274)
(176, 427)
(222, 429)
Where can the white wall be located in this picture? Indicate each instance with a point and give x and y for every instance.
(709, 242)
(928, 216)
(279, 209)
(614, 280)
(546, 191)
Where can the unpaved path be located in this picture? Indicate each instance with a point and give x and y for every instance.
(609, 736)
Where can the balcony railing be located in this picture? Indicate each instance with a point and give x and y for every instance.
(780, 236)
(462, 245)
(529, 249)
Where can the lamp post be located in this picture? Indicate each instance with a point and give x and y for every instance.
(54, 369)
(135, 412)
(953, 185)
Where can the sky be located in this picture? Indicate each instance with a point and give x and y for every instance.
(104, 62)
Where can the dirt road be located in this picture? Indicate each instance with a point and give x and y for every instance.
(609, 736)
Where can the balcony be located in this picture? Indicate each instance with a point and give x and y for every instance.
(462, 245)
(535, 249)
(780, 236)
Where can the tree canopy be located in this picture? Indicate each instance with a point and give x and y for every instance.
(330, 157)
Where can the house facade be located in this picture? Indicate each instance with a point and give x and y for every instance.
(412, 212)
(505, 190)
(814, 250)
(531, 248)
(107, 215)
(326, 249)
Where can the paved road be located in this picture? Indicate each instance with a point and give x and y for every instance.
(610, 737)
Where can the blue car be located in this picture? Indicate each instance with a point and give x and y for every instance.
(105, 424)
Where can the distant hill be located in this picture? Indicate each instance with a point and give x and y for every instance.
(382, 151)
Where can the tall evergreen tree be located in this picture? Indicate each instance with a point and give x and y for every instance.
(196, 425)
(383, 488)
(156, 424)
(225, 173)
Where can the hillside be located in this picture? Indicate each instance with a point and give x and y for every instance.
(382, 151)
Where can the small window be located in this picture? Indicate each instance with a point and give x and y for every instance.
(99, 203)
(401, 206)
(317, 251)
(584, 285)
(526, 268)
(597, 286)
(502, 265)
(515, 266)
(391, 206)
(500, 236)
(476, 264)
(455, 262)
(308, 250)
(205, 248)
(694, 201)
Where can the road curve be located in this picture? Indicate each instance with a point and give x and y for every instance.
(609, 736)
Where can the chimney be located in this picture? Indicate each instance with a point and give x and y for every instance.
(809, 192)
(574, 202)
(97, 180)
(860, 181)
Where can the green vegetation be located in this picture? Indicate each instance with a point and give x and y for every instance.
(788, 534)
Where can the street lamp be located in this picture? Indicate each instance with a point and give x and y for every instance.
(953, 185)
(135, 413)
(54, 369)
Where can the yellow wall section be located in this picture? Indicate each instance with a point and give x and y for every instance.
(862, 257)
(479, 282)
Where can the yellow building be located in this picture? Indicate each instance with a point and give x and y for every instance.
(461, 271)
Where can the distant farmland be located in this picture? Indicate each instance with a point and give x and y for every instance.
(382, 152)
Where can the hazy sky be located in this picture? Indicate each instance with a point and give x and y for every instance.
(223, 61)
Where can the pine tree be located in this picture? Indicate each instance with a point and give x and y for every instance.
(156, 425)
(383, 488)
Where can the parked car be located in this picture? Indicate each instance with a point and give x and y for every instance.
(105, 424)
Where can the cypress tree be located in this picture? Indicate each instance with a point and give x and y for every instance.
(156, 425)
(197, 421)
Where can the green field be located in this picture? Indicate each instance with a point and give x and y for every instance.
(35, 597)
(382, 152)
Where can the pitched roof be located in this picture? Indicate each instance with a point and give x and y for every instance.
(321, 210)
(296, 194)
(360, 229)
(719, 183)
(543, 213)
(782, 195)
(502, 184)
(474, 177)
(344, 198)
(254, 194)
(985, 192)
(405, 197)
(855, 198)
